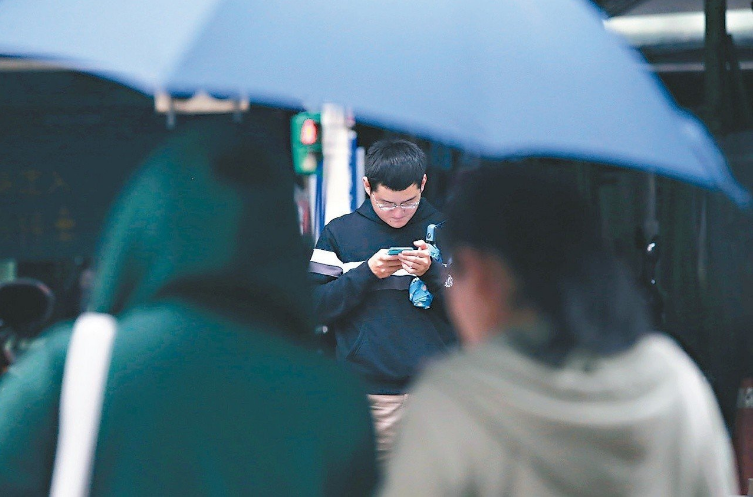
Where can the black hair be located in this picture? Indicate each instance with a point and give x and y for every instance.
(396, 164)
(548, 237)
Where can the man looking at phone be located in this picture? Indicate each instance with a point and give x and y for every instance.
(361, 292)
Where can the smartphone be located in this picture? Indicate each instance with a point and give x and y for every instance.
(398, 250)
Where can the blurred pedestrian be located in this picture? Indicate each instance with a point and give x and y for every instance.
(560, 388)
(204, 269)
(364, 293)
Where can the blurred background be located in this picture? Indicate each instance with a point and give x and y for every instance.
(69, 141)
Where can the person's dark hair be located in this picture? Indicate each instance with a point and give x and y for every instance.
(548, 237)
(396, 164)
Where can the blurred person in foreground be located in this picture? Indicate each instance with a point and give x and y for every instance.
(204, 269)
(561, 388)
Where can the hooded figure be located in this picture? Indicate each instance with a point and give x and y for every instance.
(561, 389)
(204, 269)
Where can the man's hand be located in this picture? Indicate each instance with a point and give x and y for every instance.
(383, 265)
(416, 261)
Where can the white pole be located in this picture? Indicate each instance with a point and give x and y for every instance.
(336, 152)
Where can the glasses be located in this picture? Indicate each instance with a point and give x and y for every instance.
(389, 206)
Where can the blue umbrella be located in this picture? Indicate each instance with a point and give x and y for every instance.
(502, 78)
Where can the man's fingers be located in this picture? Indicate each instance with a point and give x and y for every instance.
(418, 258)
(414, 262)
(392, 266)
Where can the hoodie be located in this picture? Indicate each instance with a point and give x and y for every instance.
(379, 333)
(207, 394)
(494, 421)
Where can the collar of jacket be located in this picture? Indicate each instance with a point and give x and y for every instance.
(424, 211)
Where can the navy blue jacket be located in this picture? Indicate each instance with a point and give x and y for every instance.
(379, 333)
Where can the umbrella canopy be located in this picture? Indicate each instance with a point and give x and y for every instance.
(502, 78)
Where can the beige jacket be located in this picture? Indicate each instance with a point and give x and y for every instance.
(491, 421)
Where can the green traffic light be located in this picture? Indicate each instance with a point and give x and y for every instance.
(306, 142)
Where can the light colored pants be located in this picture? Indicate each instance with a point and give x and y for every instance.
(387, 411)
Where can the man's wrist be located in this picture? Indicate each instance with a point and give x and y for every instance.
(369, 270)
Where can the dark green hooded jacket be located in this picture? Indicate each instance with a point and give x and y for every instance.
(204, 268)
